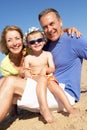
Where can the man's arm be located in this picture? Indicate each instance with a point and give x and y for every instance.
(72, 30)
(51, 66)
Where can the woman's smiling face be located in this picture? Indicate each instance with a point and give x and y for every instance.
(14, 41)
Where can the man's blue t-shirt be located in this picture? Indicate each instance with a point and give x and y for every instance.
(68, 53)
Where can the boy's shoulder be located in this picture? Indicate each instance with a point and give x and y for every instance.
(47, 53)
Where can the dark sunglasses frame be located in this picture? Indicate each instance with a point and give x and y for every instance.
(36, 40)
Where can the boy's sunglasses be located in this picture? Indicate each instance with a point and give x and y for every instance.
(36, 40)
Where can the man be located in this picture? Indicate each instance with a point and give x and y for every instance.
(68, 52)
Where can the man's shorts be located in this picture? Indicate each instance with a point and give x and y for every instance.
(30, 102)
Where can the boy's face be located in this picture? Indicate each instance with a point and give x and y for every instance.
(35, 41)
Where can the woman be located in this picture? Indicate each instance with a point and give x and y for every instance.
(13, 86)
(12, 45)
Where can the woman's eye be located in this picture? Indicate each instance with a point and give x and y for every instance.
(8, 40)
(18, 38)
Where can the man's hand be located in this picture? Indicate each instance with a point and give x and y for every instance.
(72, 30)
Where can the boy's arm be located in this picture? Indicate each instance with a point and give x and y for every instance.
(51, 66)
(25, 72)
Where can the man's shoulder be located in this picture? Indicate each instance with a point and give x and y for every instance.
(73, 39)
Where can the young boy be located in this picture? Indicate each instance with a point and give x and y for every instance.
(39, 66)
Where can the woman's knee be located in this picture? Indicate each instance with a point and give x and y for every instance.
(10, 80)
(2, 80)
(9, 83)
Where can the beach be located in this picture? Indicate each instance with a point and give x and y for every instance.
(32, 121)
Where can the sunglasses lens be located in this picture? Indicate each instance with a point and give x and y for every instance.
(37, 40)
(31, 42)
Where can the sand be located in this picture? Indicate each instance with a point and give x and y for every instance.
(32, 121)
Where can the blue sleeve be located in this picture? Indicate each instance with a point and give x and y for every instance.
(80, 47)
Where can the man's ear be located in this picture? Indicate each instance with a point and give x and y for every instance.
(61, 23)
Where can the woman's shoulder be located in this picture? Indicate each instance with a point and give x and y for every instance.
(7, 68)
(5, 60)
